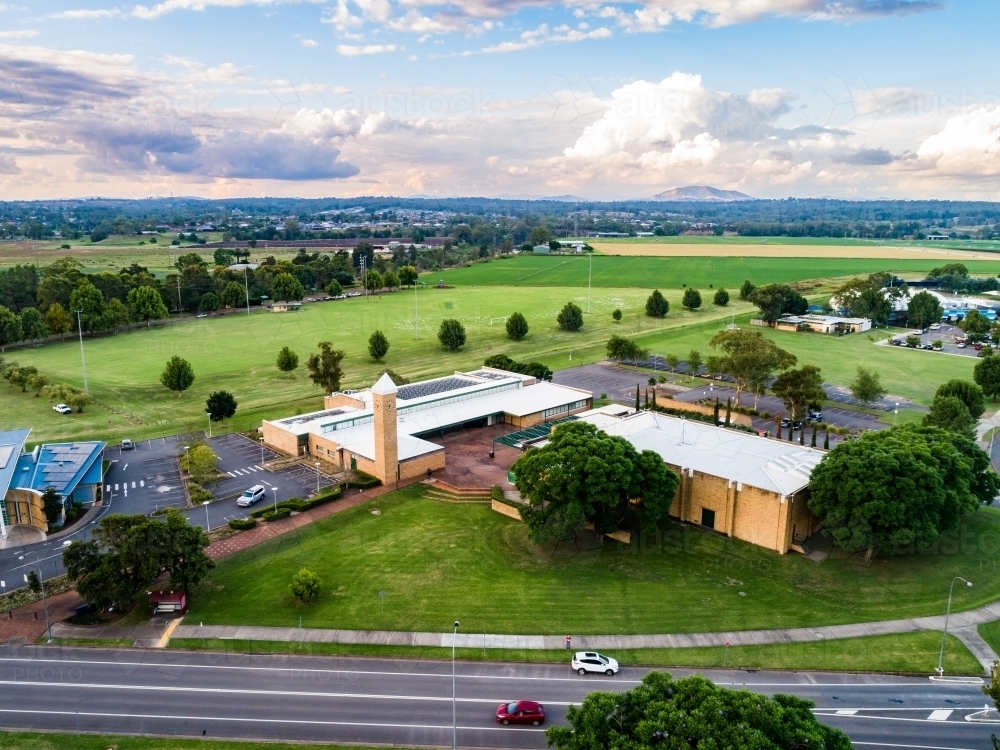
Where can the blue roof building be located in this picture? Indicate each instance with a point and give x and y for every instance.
(73, 470)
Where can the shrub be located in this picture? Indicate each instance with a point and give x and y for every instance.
(199, 494)
(721, 297)
(617, 315)
(242, 524)
(497, 492)
(451, 334)
(692, 299)
(378, 345)
(305, 586)
(276, 515)
(657, 305)
(517, 326)
(363, 480)
(570, 318)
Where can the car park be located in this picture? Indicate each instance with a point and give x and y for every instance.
(591, 661)
(521, 712)
(127, 445)
(62, 409)
(251, 496)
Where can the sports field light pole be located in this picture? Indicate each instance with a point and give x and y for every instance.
(416, 311)
(947, 612)
(590, 271)
(246, 285)
(79, 326)
(454, 713)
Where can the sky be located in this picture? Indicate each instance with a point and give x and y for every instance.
(855, 99)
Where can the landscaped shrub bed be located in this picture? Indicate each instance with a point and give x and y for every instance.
(364, 481)
(298, 504)
(242, 524)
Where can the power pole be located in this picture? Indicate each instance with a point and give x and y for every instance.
(83, 361)
(416, 312)
(590, 270)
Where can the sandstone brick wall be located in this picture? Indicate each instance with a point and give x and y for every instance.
(417, 467)
(283, 440)
(25, 507)
(507, 510)
(342, 399)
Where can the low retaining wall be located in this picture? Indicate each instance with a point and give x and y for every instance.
(507, 510)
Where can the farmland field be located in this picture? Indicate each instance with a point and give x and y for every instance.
(675, 272)
(238, 353)
(769, 250)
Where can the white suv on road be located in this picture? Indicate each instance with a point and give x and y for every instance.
(591, 661)
(251, 496)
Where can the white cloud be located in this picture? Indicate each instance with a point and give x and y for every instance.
(169, 6)
(19, 34)
(8, 165)
(308, 43)
(342, 18)
(968, 145)
(543, 35)
(86, 15)
(350, 50)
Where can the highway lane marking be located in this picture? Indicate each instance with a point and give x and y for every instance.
(273, 721)
(878, 718)
(940, 714)
(581, 680)
(847, 712)
(273, 693)
(915, 747)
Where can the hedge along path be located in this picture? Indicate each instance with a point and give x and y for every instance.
(270, 529)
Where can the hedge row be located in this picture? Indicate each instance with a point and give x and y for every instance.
(298, 504)
(364, 481)
(242, 524)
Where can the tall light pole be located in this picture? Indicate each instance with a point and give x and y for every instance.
(79, 326)
(246, 285)
(317, 477)
(416, 312)
(208, 525)
(454, 712)
(947, 612)
(45, 603)
(590, 270)
(209, 415)
(261, 452)
(275, 491)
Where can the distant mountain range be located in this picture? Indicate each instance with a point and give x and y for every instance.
(701, 193)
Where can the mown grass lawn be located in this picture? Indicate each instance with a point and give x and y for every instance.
(675, 272)
(914, 653)
(910, 373)
(439, 562)
(238, 353)
(58, 741)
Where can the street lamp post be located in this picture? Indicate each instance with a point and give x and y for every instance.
(275, 491)
(947, 613)
(209, 415)
(317, 477)
(261, 452)
(454, 712)
(208, 525)
(83, 361)
(45, 603)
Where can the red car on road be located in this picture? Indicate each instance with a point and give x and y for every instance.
(521, 712)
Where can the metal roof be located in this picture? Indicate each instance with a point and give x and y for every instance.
(62, 466)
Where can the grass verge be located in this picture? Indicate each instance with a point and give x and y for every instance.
(90, 642)
(910, 653)
(64, 741)
(437, 562)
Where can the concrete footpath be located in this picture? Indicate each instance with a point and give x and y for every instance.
(962, 625)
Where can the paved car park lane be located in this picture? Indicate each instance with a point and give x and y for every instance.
(240, 462)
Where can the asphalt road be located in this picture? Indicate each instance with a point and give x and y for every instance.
(408, 702)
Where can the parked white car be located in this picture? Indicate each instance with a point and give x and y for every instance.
(251, 496)
(62, 409)
(591, 661)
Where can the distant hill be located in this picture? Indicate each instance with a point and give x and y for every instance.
(701, 193)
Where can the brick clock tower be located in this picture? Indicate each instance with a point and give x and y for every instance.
(384, 417)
